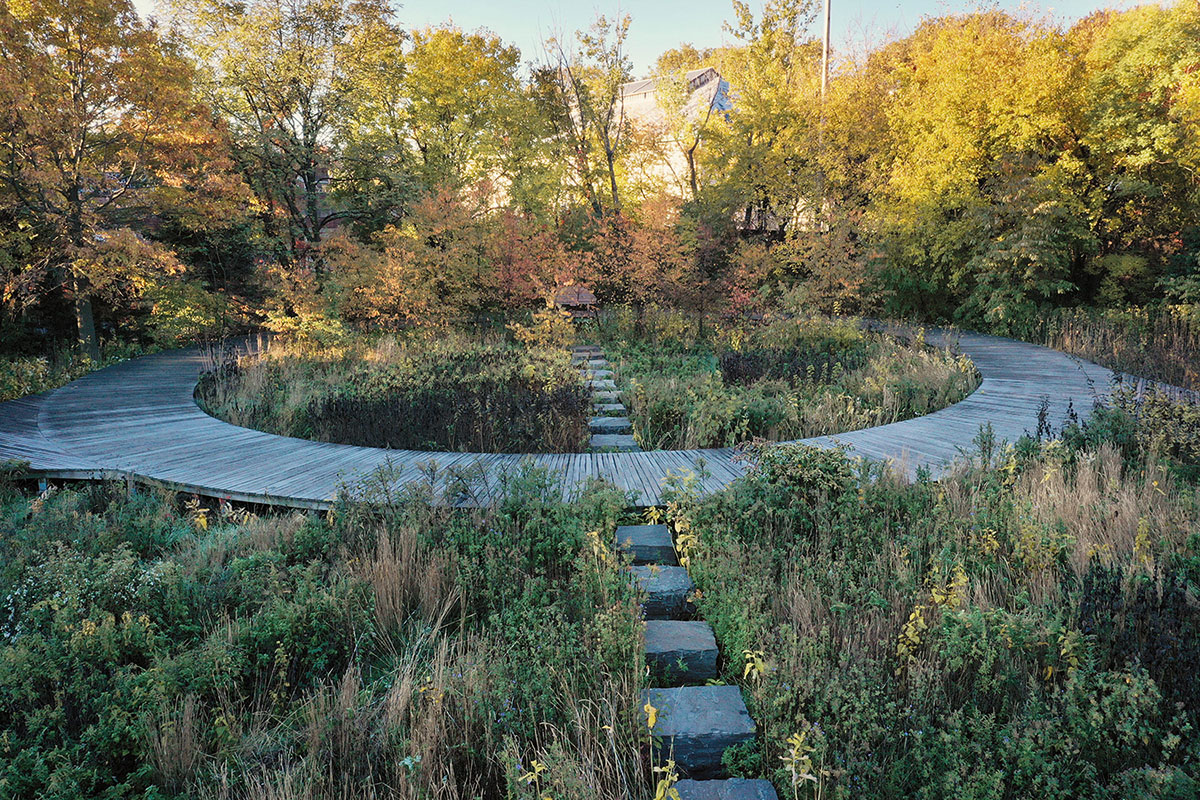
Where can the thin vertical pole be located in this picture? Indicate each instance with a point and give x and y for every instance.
(825, 53)
(821, 128)
(824, 75)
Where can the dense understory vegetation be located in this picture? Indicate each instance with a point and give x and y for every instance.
(782, 379)
(149, 649)
(1026, 627)
(418, 393)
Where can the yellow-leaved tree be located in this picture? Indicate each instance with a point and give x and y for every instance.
(101, 130)
(980, 210)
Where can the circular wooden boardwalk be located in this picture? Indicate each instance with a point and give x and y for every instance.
(139, 420)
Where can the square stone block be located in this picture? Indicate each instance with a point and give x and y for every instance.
(680, 652)
(666, 590)
(649, 544)
(696, 724)
(727, 789)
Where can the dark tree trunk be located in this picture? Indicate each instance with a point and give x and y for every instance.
(85, 322)
(612, 178)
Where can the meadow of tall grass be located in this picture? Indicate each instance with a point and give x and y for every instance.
(154, 648)
(1025, 627)
(453, 392)
(782, 379)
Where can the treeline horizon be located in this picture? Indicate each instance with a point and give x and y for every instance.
(312, 164)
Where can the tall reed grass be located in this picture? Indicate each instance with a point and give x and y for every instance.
(453, 393)
(784, 380)
(1158, 344)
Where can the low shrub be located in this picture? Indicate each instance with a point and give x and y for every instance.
(26, 375)
(1153, 424)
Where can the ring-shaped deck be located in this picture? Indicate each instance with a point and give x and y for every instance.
(139, 420)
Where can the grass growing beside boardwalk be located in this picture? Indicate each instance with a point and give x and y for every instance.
(449, 393)
(150, 649)
(26, 375)
(1160, 344)
(781, 380)
(1027, 627)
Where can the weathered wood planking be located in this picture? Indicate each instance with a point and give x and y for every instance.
(140, 419)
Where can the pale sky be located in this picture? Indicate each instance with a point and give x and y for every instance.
(659, 25)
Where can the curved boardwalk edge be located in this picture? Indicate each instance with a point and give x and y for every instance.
(139, 420)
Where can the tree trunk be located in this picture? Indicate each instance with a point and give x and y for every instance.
(312, 205)
(691, 160)
(85, 322)
(612, 178)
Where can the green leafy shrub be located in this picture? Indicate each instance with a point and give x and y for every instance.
(391, 650)
(1022, 628)
(1145, 424)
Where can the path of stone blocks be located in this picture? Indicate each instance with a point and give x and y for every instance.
(610, 427)
(696, 721)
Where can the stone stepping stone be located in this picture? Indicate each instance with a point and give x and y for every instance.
(602, 385)
(597, 363)
(728, 789)
(606, 397)
(697, 724)
(649, 544)
(589, 352)
(681, 652)
(616, 409)
(617, 442)
(610, 425)
(666, 588)
(598, 374)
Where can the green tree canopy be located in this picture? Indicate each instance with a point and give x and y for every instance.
(287, 75)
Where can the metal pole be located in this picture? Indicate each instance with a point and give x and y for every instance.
(825, 53)
(821, 126)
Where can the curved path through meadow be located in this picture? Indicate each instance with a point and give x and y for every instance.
(139, 420)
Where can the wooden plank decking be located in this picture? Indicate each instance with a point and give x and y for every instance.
(139, 419)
